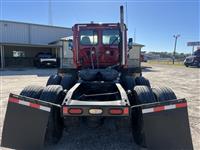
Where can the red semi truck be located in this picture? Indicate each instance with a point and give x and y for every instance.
(101, 86)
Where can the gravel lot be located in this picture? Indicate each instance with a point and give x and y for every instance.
(184, 81)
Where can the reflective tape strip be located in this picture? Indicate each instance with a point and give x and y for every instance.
(159, 108)
(24, 103)
(170, 107)
(163, 108)
(29, 104)
(45, 108)
(147, 110)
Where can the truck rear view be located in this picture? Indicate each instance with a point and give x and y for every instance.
(101, 87)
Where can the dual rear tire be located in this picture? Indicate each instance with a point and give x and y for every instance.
(66, 81)
(141, 95)
(144, 95)
(52, 94)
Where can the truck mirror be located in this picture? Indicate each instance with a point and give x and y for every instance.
(130, 43)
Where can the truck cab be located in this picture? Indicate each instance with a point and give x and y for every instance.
(193, 60)
(97, 45)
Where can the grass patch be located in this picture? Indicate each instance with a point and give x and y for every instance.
(176, 63)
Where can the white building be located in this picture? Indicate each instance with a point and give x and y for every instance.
(26, 40)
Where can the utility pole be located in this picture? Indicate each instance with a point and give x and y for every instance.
(50, 13)
(175, 43)
(134, 36)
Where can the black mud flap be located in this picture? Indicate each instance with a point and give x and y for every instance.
(25, 123)
(166, 126)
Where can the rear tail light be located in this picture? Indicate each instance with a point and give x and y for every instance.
(126, 111)
(75, 111)
(116, 111)
(119, 111)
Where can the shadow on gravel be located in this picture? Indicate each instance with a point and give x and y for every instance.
(148, 69)
(193, 67)
(28, 71)
(106, 137)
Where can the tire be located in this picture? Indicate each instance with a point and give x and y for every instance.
(67, 82)
(129, 83)
(142, 95)
(32, 91)
(198, 65)
(54, 80)
(53, 94)
(163, 94)
(142, 81)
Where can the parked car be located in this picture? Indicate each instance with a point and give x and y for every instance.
(193, 60)
(45, 60)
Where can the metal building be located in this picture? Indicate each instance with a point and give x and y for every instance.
(20, 42)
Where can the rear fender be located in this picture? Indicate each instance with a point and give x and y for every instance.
(25, 122)
(166, 125)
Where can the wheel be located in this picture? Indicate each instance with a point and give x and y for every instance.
(142, 95)
(67, 82)
(142, 81)
(128, 82)
(32, 91)
(198, 65)
(54, 80)
(163, 94)
(53, 94)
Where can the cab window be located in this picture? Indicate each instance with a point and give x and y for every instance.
(88, 37)
(110, 37)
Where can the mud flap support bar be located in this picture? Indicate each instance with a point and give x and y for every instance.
(166, 125)
(25, 123)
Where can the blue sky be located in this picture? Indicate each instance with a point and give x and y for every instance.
(155, 22)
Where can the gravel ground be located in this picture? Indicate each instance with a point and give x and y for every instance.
(184, 81)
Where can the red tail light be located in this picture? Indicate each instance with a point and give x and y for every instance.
(75, 111)
(126, 111)
(116, 111)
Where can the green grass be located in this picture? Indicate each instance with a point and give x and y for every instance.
(176, 63)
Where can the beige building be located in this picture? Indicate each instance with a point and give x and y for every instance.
(134, 55)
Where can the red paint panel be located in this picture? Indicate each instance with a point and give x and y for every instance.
(160, 108)
(180, 105)
(13, 100)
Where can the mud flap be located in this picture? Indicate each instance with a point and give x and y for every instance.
(166, 126)
(25, 123)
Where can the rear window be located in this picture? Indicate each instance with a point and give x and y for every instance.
(88, 37)
(111, 37)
